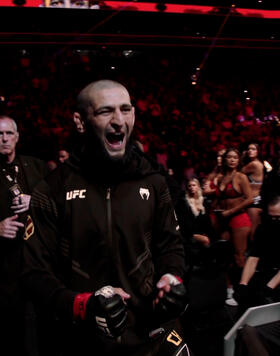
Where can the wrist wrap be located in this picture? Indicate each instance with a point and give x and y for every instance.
(79, 306)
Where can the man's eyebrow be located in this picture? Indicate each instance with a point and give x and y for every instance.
(106, 107)
(126, 105)
(109, 107)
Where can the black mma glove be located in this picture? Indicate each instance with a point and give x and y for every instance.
(242, 294)
(173, 303)
(105, 308)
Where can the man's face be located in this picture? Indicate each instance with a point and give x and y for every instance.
(112, 118)
(274, 212)
(8, 138)
(62, 155)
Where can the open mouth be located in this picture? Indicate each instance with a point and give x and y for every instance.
(115, 139)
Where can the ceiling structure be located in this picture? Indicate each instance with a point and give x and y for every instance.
(250, 4)
(126, 25)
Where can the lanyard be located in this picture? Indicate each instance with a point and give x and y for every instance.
(9, 177)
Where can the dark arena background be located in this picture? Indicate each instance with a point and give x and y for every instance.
(203, 75)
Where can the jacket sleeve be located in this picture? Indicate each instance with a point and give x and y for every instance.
(40, 277)
(168, 249)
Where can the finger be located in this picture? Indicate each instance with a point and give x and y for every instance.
(158, 297)
(11, 227)
(17, 224)
(9, 235)
(14, 217)
(17, 206)
(21, 210)
(11, 230)
(122, 293)
(162, 282)
(167, 288)
(155, 302)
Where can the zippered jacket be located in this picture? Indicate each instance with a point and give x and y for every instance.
(92, 230)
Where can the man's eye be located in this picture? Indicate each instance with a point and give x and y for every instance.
(103, 112)
(126, 109)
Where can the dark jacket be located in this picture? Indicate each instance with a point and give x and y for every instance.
(12, 304)
(93, 229)
(270, 188)
(31, 171)
(266, 244)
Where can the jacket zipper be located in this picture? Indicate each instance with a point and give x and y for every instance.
(109, 217)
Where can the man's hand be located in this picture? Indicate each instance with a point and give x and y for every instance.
(106, 308)
(21, 203)
(203, 239)
(171, 300)
(10, 226)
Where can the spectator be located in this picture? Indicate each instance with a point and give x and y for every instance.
(260, 280)
(253, 167)
(18, 176)
(234, 195)
(62, 155)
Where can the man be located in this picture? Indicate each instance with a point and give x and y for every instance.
(63, 155)
(18, 176)
(106, 254)
(261, 274)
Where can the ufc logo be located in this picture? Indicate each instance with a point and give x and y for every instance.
(174, 338)
(73, 194)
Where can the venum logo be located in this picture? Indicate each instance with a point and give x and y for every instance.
(145, 193)
(73, 194)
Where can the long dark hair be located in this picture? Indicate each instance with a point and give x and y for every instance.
(245, 157)
(224, 165)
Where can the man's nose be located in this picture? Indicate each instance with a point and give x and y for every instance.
(4, 137)
(117, 118)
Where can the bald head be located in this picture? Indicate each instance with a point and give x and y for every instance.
(4, 117)
(274, 207)
(86, 97)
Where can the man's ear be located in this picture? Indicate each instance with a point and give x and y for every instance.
(80, 125)
(133, 113)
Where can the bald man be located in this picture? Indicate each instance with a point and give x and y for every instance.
(106, 253)
(18, 176)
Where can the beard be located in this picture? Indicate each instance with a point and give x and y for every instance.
(108, 167)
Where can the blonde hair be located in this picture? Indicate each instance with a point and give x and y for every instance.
(195, 203)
